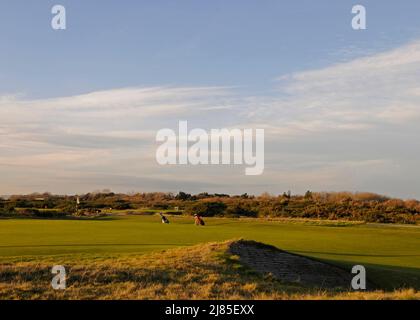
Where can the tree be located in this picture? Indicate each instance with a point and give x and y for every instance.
(183, 196)
(308, 195)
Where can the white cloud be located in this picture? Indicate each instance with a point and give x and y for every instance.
(376, 90)
(129, 113)
(352, 125)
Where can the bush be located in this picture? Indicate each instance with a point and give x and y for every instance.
(49, 214)
(238, 209)
(7, 210)
(27, 212)
(122, 205)
(206, 209)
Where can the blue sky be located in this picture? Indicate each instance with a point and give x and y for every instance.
(111, 44)
(79, 108)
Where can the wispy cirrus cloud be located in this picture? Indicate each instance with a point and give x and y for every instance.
(128, 113)
(351, 125)
(365, 93)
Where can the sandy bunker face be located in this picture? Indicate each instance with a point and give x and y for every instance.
(290, 268)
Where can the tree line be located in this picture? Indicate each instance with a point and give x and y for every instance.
(367, 207)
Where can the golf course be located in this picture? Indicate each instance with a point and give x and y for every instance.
(390, 253)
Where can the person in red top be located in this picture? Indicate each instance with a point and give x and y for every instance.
(198, 220)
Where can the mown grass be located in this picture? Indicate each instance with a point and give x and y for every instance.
(390, 253)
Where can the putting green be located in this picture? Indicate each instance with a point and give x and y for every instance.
(390, 253)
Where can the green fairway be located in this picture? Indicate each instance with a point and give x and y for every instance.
(390, 253)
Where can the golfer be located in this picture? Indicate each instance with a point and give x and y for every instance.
(164, 219)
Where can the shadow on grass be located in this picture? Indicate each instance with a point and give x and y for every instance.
(357, 254)
(384, 277)
(379, 277)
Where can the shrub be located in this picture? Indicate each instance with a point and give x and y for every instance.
(206, 209)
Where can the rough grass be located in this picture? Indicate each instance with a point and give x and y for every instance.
(203, 271)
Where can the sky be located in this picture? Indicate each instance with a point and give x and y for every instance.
(80, 108)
